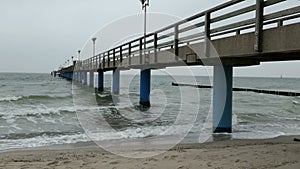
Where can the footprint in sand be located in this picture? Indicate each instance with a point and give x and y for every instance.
(173, 157)
(114, 162)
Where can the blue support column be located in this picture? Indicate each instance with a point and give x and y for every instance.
(80, 77)
(145, 87)
(100, 80)
(116, 82)
(92, 79)
(222, 99)
(74, 76)
(84, 77)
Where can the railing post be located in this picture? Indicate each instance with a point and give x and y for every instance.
(129, 54)
(155, 48)
(141, 51)
(98, 62)
(93, 62)
(280, 23)
(114, 57)
(176, 42)
(103, 60)
(89, 63)
(108, 60)
(259, 25)
(207, 34)
(121, 55)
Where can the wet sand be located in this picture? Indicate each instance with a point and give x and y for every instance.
(281, 152)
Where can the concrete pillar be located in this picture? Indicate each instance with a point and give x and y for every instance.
(100, 80)
(222, 99)
(92, 79)
(116, 82)
(145, 87)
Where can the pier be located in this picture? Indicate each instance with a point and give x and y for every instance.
(243, 42)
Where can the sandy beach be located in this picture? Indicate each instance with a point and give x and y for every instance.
(280, 152)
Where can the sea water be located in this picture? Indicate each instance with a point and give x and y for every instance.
(41, 110)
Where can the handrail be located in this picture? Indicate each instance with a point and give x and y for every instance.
(171, 40)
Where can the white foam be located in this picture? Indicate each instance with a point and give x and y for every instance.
(140, 132)
(36, 111)
(10, 98)
(6, 144)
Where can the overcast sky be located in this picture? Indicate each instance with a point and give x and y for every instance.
(39, 35)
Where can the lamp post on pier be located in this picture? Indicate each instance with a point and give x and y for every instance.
(92, 62)
(94, 45)
(79, 62)
(145, 3)
(78, 54)
(145, 79)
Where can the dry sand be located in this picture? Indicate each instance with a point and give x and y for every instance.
(281, 152)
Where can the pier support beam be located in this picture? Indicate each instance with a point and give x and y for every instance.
(222, 99)
(92, 83)
(100, 80)
(145, 87)
(116, 82)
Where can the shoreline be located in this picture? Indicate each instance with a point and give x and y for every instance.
(280, 152)
(136, 142)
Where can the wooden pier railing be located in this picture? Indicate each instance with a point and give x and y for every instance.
(210, 25)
